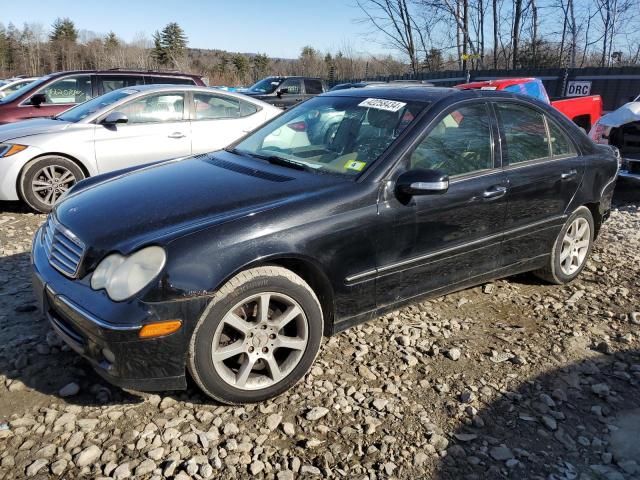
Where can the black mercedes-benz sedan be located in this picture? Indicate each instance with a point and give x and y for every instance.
(231, 266)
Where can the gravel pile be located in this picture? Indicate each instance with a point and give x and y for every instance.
(512, 379)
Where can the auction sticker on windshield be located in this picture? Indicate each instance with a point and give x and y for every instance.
(382, 104)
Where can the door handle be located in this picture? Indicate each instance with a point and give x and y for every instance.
(494, 192)
(569, 175)
(177, 135)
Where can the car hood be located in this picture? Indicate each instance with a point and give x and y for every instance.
(161, 202)
(27, 128)
(629, 112)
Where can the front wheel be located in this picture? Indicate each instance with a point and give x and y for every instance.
(571, 248)
(258, 337)
(45, 179)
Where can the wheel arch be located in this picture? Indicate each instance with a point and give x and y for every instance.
(78, 162)
(307, 269)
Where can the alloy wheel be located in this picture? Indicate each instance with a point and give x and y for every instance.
(260, 341)
(575, 246)
(50, 182)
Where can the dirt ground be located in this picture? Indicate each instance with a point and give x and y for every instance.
(512, 379)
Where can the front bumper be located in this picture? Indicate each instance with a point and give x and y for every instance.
(106, 332)
(10, 168)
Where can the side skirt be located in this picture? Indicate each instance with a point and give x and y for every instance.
(520, 267)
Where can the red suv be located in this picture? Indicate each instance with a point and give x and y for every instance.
(55, 93)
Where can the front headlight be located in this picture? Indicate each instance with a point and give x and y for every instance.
(8, 149)
(123, 277)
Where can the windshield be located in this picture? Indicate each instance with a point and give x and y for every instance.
(89, 107)
(24, 89)
(338, 135)
(266, 85)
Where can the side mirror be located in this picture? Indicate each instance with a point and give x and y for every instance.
(38, 99)
(282, 91)
(422, 182)
(114, 118)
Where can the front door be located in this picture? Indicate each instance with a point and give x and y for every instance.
(157, 129)
(60, 95)
(292, 95)
(544, 172)
(435, 241)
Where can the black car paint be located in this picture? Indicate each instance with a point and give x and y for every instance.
(286, 100)
(363, 250)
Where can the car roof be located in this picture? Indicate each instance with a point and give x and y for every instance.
(125, 72)
(410, 92)
(498, 83)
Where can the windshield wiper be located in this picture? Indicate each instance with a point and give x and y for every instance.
(273, 159)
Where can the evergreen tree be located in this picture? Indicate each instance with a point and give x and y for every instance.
(260, 65)
(111, 41)
(63, 30)
(173, 41)
(158, 52)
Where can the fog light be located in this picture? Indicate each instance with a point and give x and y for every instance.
(108, 355)
(159, 329)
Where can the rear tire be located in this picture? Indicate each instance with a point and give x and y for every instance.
(259, 335)
(571, 249)
(45, 179)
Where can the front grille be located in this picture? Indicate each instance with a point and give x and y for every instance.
(63, 249)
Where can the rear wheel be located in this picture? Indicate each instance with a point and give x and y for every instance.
(571, 248)
(45, 179)
(258, 337)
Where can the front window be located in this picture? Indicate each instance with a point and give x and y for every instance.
(339, 135)
(459, 144)
(266, 85)
(83, 110)
(68, 90)
(12, 87)
(164, 107)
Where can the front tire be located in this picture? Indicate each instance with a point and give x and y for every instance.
(45, 179)
(571, 248)
(257, 338)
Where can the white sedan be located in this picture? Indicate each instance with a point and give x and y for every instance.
(41, 158)
(10, 85)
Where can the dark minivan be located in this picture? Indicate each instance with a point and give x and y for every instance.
(233, 264)
(284, 92)
(55, 93)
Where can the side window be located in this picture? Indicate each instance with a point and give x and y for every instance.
(211, 107)
(110, 83)
(524, 131)
(76, 89)
(293, 84)
(165, 107)
(460, 143)
(168, 81)
(561, 146)
(312, 87)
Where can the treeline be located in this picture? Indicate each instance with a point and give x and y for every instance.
(489, 34)
(34, 50)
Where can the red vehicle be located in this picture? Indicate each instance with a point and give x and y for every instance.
(584, 111)
(55, 93)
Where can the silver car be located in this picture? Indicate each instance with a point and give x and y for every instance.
(41, 158)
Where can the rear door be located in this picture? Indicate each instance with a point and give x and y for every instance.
(157, 129)
(436, 241)
(544, 171)
(217, 120)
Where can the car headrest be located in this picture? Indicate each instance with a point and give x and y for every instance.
(382, 118)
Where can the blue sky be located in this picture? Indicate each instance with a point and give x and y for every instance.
(277, 27)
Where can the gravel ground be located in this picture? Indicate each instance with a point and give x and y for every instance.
(512, 379)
